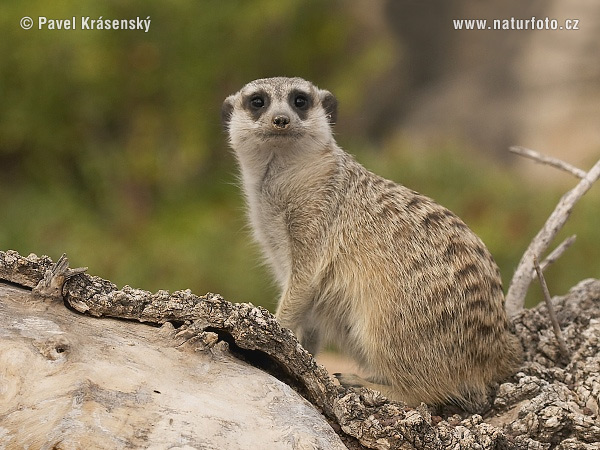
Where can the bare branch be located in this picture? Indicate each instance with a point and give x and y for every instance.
(559, 337)
(557, 252)
(515, 298)
(549, 160)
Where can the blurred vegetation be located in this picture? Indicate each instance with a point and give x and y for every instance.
(111, 148)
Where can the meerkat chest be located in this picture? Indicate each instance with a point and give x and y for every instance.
(287, 206)
(269, 229)
(288, 224)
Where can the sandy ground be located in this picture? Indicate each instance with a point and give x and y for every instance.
(336, 362)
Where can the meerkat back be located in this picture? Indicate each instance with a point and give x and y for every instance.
(394, 279)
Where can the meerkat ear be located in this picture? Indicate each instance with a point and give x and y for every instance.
(227, 111)
(329, 103)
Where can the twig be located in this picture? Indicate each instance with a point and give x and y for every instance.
(515, 297)
(556, 253)
(559, 337)
(51, 286)
(549, 160)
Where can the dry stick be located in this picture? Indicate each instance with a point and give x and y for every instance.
(549, 160)
(515, 297)
(557, 252)
(559, 337)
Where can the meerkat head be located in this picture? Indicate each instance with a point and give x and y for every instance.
(279, 114)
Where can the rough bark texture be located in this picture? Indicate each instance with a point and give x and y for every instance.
(549, 403)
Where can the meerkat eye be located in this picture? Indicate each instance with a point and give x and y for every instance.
(257, 102)
(300, 101)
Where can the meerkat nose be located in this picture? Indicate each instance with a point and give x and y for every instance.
(281, 121)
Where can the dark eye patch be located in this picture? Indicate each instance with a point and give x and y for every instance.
(301, 102)
(256, 103)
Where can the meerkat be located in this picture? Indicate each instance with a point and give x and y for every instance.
(395, 280)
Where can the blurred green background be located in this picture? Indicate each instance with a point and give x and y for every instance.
(111, 147)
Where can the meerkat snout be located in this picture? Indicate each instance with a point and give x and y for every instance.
(397, 281)
(281, 121)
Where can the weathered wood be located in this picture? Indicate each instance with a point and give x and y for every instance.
(524, 273)
(115, 367)
(549, 160)
(68, 381)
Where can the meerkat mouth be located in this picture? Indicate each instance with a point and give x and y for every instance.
(283, 134)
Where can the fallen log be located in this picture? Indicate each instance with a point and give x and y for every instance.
(87, 365)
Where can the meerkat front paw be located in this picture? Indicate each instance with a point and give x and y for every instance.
(351, 380)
